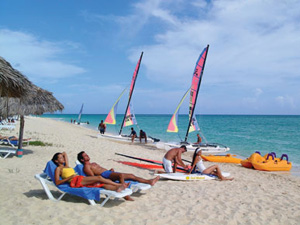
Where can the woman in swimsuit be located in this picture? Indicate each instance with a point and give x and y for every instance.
(198, 166)
(68, 175)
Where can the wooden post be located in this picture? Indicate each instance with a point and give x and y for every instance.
(20, 145)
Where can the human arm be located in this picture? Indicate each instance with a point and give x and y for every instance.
(88, 170)
(178, 160)
(112, 169)
(66, 159)
(194, 164)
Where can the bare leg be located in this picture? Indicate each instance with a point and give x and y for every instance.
(96, 179)
(216, 171)
(113, 188)
(174, 167)
(127, 176)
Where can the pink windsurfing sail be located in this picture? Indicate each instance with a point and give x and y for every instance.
(136, 71)
(173, 126)
(111, 116)
(130, 117)
(196, 81)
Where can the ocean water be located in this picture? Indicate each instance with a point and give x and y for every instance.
(244, 134)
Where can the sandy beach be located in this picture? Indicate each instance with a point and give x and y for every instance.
(253, 197)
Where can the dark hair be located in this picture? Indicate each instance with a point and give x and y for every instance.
(80, 157)
(183, 146)
(194, 156)
(55, 157)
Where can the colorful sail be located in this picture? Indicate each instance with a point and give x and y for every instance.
(194, 125)
(130, 117)
(111, 117)
(173, 127)
(136, 71)
(196, 81)
(79, 115)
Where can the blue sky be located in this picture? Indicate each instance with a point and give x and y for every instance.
(86, 52)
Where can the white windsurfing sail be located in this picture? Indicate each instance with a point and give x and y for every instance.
(79, 115)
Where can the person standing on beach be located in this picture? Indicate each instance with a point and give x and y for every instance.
(94, 169)
(197, 166)
(143, 135)
(132, 134)
(174, 155)
(102, 127)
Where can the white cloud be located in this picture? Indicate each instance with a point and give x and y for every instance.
(252, 42)
(36, 58)
(257, 92)
(286, 101)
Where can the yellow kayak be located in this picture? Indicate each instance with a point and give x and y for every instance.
(221, 158)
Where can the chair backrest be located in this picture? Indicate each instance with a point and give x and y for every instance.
(79, 170)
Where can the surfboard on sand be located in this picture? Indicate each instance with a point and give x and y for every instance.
(148, 166)
(190, 177)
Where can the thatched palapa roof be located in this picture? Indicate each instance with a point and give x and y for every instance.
(12, 82)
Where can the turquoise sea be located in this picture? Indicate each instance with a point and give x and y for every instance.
(244, 134)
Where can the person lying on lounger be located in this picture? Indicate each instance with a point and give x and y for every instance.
(12, 138)
(68, 175)
(197, 166)
(94, 169)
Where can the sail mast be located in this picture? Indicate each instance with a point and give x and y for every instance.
(196, 82)
(131, 89)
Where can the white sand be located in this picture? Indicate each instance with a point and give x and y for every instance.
(254, 197)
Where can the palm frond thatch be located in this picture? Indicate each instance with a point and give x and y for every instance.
(12, 82)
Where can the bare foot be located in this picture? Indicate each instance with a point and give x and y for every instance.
(128, 198)
(126, 185)
(120, 188)
(153, 181)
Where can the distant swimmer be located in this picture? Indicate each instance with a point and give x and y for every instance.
(198, 166)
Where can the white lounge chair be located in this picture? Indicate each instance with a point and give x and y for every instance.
(4, 152)
(13, 143)
(45, 181)
(7, 127)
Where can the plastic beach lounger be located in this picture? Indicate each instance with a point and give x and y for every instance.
(4, 152)
(134, 186)
(12, 143)
(91, 194)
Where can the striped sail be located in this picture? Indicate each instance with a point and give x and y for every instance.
(111, 116)
(130, 117)
(196, 81)
(134, 77)
(194, 125)
(173, 127)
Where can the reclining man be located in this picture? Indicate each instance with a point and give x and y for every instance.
(94, 169)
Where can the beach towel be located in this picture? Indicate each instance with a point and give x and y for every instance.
(84, 192)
